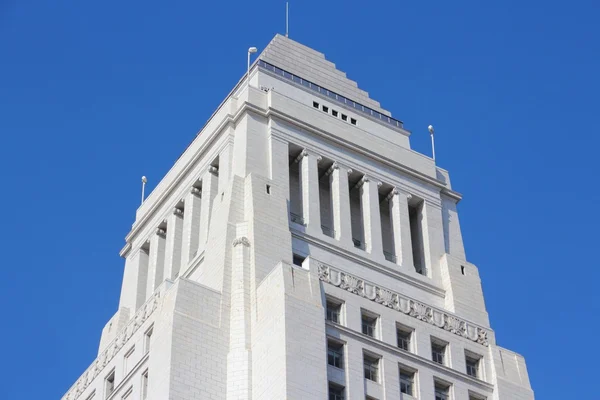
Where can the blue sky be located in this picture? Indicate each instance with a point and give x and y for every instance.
(94, 95)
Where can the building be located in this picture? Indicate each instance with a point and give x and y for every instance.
(299, 249)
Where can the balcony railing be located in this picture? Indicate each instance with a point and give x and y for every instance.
(328, 231)
(297, 219)
(332, 95)
(390, 257)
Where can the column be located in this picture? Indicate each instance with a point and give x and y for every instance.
(400, 223)
(340, 203)
(433, 237)
(309, 182)
(210, 186)
(156, 263)
(173, 244)
(239, 366)
(191, 226)
(369, 205)
(135, 276)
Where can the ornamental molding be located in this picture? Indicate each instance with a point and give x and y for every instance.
(161, 232)
(241, 240)
(306, 153)
(213, 170)
(195, 191)
(178, 212)
(404, 304)
(113, 348)
(337, 165)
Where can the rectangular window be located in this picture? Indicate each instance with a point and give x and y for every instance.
(298, 259)
(335, 354)
(334, 311)
(472, 364)
(473, 396)
(371, 367)
(407, 382)
(147, 337)
(127, 361)
(369, 323)
(344, 117)
(442, 391)
(404, 336)
(315, 104)
(438, 351)
(415, 216)
(109, 384)
(145, 385)
(334, 113)
(352, 121)
(336, 392)
(325, 109)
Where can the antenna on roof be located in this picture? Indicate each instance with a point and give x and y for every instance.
(144, 180)
(287, 18)
(430, 127)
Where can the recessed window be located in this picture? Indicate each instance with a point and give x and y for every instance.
(344, 117)
(315, 104)
(404, 336)
(462, 269)
(369, 323)
(334, 113)
(407, 382)
(298, 259)
(352, 121)
(442, 391)
(473, 396)
(371, 367)
(325, 109)
(335, 354)
(109, 384)
(473, 364)
(334, 311)
(268, 187)
(147, 337)
(127, 361)
(438, 351)
(336, 392)
(145, 385)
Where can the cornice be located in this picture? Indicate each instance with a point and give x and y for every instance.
(401, 276)
(402, 303)
(411, 356)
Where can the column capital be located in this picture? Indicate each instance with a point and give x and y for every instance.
(366, 179)
(306, 153)
(337, 165)
(241, 240)
(195, 191)
(161, 232)
(178, 212)
(213, 170)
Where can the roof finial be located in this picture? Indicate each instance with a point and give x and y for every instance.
(287, 18)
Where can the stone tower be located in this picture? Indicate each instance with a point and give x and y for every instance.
(299, 249)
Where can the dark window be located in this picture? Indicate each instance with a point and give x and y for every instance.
(407, 382)
(325, 109)
(371, 367)
(344, 117)
(268, 189)
(369, 324)
(334, 312)
(472, 366)
(335, 354)
(298, 260)
(442, 392)
(334, 113)
(404, 337)
(352, 121)
(336, 392)
(315, 104)
(438, 352)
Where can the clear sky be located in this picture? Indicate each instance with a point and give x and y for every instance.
(93, 95)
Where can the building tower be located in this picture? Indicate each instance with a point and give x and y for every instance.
(299, 249)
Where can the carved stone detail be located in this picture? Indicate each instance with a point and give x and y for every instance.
(178, 212)
(403, 304)
(241, 240)
(113, 348)
(161, 232)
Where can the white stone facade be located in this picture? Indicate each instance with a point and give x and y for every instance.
(299, 249)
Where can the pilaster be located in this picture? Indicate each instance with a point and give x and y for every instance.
(156, 263)
(340, 203)
(173, 244)
(400, 223)
(309, 181)
(191, 226)
(369, 199)
(210, 182)
(135, 276)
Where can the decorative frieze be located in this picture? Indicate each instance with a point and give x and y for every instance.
(403, 304)
(113, 348)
